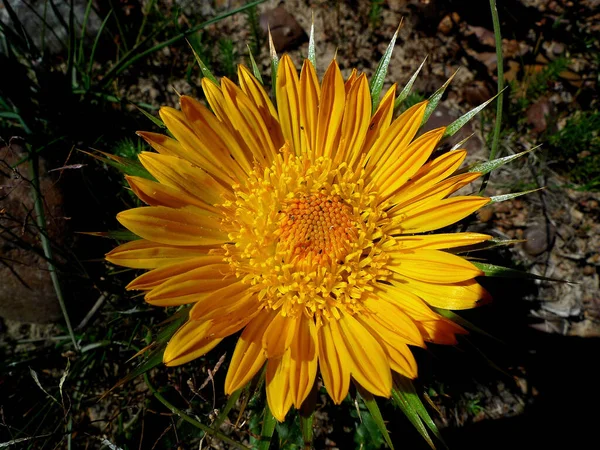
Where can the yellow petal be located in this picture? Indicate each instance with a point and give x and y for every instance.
(408, 302)
(310, 93)
(407, 163)
(440, 331)
(255, 91)
(190, 286)
(183, 176)
(247, 120)
(248, 356)
(155, 277)
(195, 148)
(228, 320)
(433, 266)
(350, 80)
(369, 363)
(429, 175)
(215, 140)
(464, 295)
(279, 395)
(189, 342)
(156, 194)
(143, 254)
(223, 301)
(186, 227)
(164, 145)
(278, 336)
(331, 110)
(401, 360)
(381, 120)
(440, 240)
(357, 114)
(435, 215)
(395, 139)
(333, 361)
(391, 323)
(288, 102)
(303, 359)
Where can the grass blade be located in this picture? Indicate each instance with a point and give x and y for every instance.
(503, 198)
(408, 88)
(435, 98)
(378, 79)
(375, 412)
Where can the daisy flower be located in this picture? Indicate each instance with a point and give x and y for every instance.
(306, 225)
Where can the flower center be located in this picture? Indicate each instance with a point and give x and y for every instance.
(318, 227)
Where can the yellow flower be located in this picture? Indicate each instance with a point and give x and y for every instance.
(306, 226)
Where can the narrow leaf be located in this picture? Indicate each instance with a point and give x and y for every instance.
(462, 142)
(375, 412)
(124, 165)
(463, 322)
(408, 88)
(155, 120)
(406, 386)
(399, 399)
(118, 235)
(503, 198)
(306, 427)
(492, 270)
(268, 428)
(458, 123)
(63, 379)
(274, 65)
(380, 73)
(203, 67)
(231, 401)
(435, 98)
(255, 69)
(312, 54)
(488, 166)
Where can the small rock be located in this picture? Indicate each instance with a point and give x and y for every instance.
(537, 240)
(448, 22)
(589, 270)
(286, 31)
(483, 35)
(537, 115)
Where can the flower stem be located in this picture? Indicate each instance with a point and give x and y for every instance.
(499, 101)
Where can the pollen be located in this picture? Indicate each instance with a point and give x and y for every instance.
(318, 226)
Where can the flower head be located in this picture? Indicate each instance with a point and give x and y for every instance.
(305, 226)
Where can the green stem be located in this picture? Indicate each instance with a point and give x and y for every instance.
(499, 102)
(40, 219)
(268, 428)
(194, 422)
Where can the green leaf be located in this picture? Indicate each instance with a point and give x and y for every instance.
(503, 198)
(406, 397)
(312, 54)
(123, 165)
(380, 73)
(488, 166)
(492, 270)
(306, 427)
(231, 401)
(268, 428)
(408, 88)
(203, 67)
(255, 69)
(461, 121)
(274, 66)
(118, 235)
(375, 413)
(463, 322)
(435, 98)
(155, 120)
